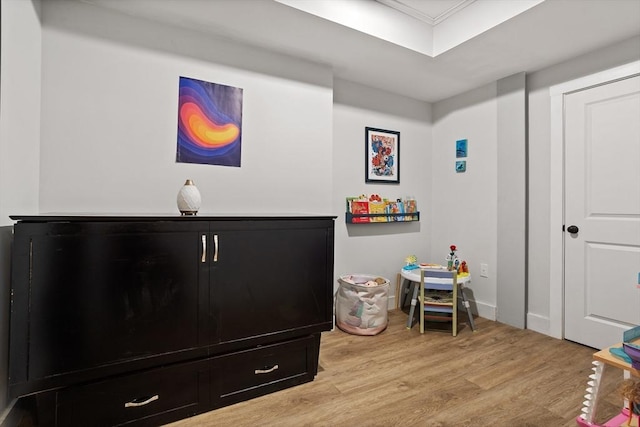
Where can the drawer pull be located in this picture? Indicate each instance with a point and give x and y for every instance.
(204, 248)
(266, 370)
(140, 402)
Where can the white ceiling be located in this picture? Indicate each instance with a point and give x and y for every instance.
(430, 11)
(430, 49)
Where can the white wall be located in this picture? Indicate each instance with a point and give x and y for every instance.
(109, 119)
(538, 84)
(464, 205)
(19, 139)
(473, 115)
(380, 248)
(19, 108)
(512, 194)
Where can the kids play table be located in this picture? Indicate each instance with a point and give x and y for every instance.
(410, 287)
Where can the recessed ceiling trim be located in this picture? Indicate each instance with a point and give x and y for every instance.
(431, 20)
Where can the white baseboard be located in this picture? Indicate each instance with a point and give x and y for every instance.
(484, 310)
(391, 302)
(11, 415)
(7, 412)
(538, 323)
(478, 308)
(535, 322)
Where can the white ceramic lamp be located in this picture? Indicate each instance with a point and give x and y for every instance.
(189, 199)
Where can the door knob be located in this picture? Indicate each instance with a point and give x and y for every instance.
(573, 229)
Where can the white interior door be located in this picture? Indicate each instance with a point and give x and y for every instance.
(602, 200)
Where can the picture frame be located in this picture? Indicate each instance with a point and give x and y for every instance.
(209, 123)
(382, 156)
(461, 148)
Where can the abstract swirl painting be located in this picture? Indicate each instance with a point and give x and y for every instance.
(209, 123)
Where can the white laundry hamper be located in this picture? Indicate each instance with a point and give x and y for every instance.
(361, 304)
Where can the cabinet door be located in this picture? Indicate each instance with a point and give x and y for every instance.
(272, 278)
(103, 293)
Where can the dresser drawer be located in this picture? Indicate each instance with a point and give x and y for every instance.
(148, 398)
(255, 372)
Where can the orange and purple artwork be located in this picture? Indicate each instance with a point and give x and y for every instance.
(209, 123)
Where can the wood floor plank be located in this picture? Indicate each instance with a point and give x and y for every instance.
(497, 376)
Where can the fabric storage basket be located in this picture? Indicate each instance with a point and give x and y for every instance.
(361, 304)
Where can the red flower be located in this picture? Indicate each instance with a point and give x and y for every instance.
(453, 248)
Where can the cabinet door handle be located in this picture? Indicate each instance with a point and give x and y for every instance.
(215, 248)
(141, 401)
(204, 248)
(266, 370)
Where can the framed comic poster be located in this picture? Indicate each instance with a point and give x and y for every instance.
(382, 156)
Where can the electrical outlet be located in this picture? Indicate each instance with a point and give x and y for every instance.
(484, 270)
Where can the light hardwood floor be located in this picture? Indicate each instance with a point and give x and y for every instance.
(496, 376)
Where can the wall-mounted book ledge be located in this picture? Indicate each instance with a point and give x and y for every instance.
(363, 218)
(366, 209)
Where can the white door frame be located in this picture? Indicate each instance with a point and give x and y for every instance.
(556, 192)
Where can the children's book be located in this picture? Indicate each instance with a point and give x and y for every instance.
(377, 208)
(397, 208)
(410, 206)
(360, 207)
(349, 200)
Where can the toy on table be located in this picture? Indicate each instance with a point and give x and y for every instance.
(463, 270)
(432, 266)
(630, 390)
(411, 263)
(633, 351)
(452, 258)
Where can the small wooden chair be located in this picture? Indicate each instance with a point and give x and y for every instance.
(439, 297)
